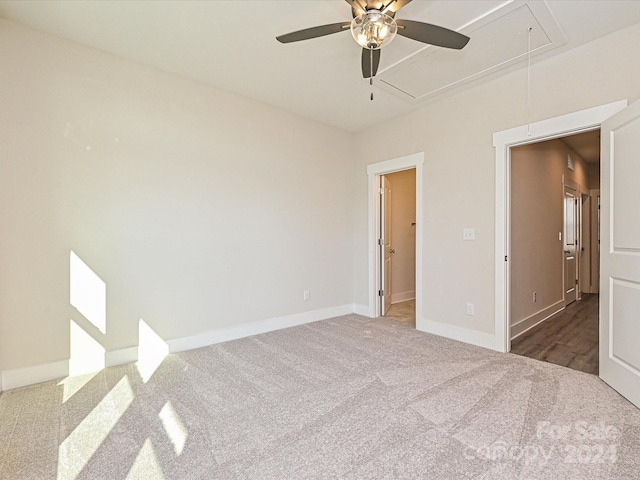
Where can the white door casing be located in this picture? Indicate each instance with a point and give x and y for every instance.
(385, 247)
(595, 241)
(374, 172)
(570, 243)
(620, 253)
(585, 244)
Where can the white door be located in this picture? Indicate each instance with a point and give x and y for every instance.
(585, 276)
(570, 245)
(620, 253)
(595, 241)
(385, 245)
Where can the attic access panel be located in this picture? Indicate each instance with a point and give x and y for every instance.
(498, 41)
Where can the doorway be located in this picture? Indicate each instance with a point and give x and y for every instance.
(619, 265)
(553, 311)
(375, 173)
(398, 252)
(504, 141)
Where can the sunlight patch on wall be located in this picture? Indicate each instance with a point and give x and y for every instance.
(151, 351)
(86, 354)
(173, 427)
(77, 449)
(87, 293)
(146, 464)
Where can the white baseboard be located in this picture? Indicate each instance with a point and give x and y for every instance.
(363, 310)
(255, 328)
(537, 318)
(458, 333)
(402, 297)
(22, 377)
(120, 357)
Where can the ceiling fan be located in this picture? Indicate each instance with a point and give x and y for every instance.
(374, 26)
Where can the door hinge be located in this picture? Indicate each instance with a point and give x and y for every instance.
(381, 293)
(505, 258)
(381, 191)
(381, 241)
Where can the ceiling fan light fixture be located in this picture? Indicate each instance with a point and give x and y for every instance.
(373, 29)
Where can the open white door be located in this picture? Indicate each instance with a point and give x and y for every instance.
(385, 244)
(620, 253)
(570, 245)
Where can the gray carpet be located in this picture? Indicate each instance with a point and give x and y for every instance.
(348, 398)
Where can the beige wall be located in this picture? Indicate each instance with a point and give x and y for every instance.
(537, 217)
(199, 209)
(594, 176)
(403, 235)
(456, 135)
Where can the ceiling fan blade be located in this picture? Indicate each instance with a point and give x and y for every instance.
(394, 5)
(366, 62)
(431, 34)
(313, 32)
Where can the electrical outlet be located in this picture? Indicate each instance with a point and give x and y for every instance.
(470, 309)
(535, 296)
(306, 295)
(469, 234)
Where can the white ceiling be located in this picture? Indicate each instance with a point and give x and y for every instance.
(231, 45)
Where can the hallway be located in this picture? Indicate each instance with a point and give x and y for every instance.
(569, 338)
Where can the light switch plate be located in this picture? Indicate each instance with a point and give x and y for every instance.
(469, 234)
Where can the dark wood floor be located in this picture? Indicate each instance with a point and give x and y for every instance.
(569, 338)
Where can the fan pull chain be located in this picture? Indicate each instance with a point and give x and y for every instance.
(371, 77)
(529, 84)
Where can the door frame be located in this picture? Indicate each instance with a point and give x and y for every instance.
(385, 223)
(594, 234)
(562, 126)
(585, 243)
(577, 219)
(374, 172)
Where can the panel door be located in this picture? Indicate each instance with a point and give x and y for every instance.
(620, 253)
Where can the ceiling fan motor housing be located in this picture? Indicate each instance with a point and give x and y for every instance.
(373, 29)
